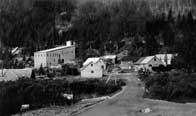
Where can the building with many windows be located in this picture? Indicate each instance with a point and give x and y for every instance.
(55, 56)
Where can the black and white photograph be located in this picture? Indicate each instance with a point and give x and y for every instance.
(97, 57)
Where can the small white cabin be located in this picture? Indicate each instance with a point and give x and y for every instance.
(93, 68)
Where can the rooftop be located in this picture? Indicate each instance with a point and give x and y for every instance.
(89, 60)
(14, 74)
(109, 57)
(144, 60)
(53, 49)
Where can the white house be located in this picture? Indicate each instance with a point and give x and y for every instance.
(55, 56)
(148, 62)
(93, 68)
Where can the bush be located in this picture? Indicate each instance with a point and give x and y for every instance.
(40, 93)
(162, 68)
(178, 87)
(69, 70)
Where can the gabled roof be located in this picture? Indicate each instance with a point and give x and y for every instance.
(14, 74)
(89, 61)
(53, 49)
(140, 60)
(145, 60)
(93, 59)
(85, 66)
(109, 57)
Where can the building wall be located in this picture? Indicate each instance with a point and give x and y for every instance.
(155, 62)
(93, 70)
(63, 55)
(52, 58)
(39, 59)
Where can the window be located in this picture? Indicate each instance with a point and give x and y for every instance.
(92, 71)
(102, 66)
(155, 59)
(91, 64)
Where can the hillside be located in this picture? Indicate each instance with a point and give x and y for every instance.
(157, 6)
(160, 6)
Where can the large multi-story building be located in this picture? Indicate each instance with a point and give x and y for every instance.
(55, 56)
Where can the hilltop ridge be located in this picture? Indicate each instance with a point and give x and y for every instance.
(156, 6)
(160, 6)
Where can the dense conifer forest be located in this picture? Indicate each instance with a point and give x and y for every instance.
(99, 28)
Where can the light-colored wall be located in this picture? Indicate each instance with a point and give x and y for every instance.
(39, 59)
(66, 54)
(155, 63)
(52, 58)
(96, 68)
(147, 66)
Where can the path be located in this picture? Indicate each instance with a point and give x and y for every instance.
(130, 102)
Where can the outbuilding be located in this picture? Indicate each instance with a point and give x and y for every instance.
(15, 74)
(93, 68)
(148, 62)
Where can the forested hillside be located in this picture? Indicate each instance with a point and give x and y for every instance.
(100, 28)
(159, 6)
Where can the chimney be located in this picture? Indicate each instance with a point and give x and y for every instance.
(70, 43)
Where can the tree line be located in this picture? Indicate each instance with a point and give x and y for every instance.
(174, 86)
(100, 28)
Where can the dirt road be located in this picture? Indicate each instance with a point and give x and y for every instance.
(130, 102)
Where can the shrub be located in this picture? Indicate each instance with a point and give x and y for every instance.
(40, 93)
(178, 87)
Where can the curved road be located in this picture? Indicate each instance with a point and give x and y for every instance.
(130, 102)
